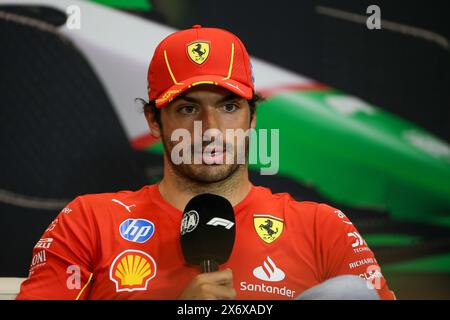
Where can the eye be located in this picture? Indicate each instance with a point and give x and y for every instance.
(230, 107)
(187, 110)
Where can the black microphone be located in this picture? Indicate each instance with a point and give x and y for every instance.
(207, 231)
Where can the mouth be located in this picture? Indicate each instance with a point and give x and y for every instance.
(214, 150)
(212, 155)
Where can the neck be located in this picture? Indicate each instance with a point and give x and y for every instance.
(178, 190)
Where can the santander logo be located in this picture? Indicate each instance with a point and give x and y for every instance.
(269, 271)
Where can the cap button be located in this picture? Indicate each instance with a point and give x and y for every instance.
(196, 26)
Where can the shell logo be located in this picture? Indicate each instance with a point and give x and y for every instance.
(131, 270)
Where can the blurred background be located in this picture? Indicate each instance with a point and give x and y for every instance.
(364, 115)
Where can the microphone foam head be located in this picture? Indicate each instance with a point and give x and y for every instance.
(207, 229)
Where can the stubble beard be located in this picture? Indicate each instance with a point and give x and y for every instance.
(204, 174)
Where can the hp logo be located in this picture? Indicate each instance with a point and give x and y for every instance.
(137, 230)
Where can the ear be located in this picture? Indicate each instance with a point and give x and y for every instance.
(155, 130)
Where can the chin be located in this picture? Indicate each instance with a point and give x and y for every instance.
(210, 173)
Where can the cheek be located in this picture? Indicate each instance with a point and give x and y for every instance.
(181, 133)
(242, 124)
(241, 120)
(168, 133)
(170, 123)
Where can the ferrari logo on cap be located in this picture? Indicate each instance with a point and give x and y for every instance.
(268, 227)
(198, 51)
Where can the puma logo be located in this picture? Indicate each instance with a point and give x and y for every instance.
(124, 205)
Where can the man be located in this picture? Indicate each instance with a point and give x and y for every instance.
(126, 245)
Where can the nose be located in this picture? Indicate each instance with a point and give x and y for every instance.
(210, 124)
(209, 119)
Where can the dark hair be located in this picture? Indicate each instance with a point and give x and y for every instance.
(150, 106)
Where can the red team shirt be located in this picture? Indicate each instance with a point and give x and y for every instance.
(126, 245)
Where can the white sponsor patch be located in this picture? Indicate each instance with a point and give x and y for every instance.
(44, 243)
(269, 271)
(361, 262)
(39, 260)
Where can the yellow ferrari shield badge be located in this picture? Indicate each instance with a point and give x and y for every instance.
(198, 51)
(268, 227)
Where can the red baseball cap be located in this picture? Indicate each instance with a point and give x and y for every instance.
(199, 56)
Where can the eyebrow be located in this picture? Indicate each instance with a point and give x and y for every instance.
(228, 97)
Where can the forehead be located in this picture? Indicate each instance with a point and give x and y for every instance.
(207, 92)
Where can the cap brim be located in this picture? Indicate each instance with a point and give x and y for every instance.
(174, 91)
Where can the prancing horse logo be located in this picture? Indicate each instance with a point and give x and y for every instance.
(268, 227)
(198, 51)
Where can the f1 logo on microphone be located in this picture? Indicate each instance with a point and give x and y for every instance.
(220, 222)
